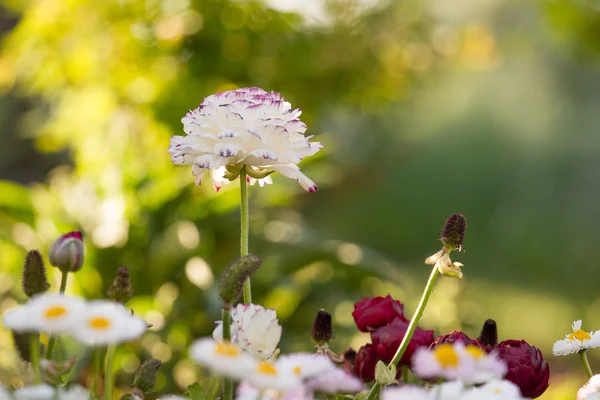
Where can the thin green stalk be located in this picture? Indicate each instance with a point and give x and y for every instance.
(227, 383)
(245, 229)
(411, 327)
(52, 339)
(108, 373)
(96, 371)
(34, 349)
(586, 363)
(405, 373)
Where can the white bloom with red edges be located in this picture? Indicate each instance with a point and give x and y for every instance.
(248, 127)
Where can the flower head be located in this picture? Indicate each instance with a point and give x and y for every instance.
(34, 274)
(495, 389)
(305, 365)
(489, 335)
(335, 381)
(36, 392)
(107, 322)
(408, 392)
(526, 367)
(388, 338)
(244, 128)
(590, 389)
(322, 331)
(67, 252)
(267, 375)
(224, 358)
(365, 362)
(453, 235)
(120, 290)
(51, 313)
(254, 328)
(577, 341)
(370, 314)
(74, 392)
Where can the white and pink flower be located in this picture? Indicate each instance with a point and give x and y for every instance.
(248, 126)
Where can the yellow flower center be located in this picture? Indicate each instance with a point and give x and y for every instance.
(446, 355)
(475, 351)
(227, 349)
(266, 368)
(297, 370)
(99, 323)
(55, 312)
(497, 391)
(579, 335)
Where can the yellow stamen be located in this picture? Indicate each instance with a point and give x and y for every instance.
(55, 312)
(99, 323)
(497, 391)
(297, 370)
(266, 368)
(579, 335)
(446, 355)
(227, 349)
(475, 351)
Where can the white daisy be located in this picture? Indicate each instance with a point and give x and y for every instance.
(245, 391)
(447, 361)
(247, 128)
(409, 392)
(590, 389)
(4, 395)
(75, 392)
(305, 365)
(487, 366)
(335, 381)
(495, 389)
(37, 392)
(172, 397)
(577, 341)
(107, 323)
(51, 313)
(254, 328)
(224, 358)
(269, 376)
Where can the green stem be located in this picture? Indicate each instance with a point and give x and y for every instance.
(52, 339)
(34, 349)
(245, 228)
(586, 363)
(108, 373)
(405, 373)
(96, 372)
(411, 327)
(227, 383)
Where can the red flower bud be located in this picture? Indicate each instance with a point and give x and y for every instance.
(526, 367)
(455, 336)
(67, 251)
(364, 364)
(370, 314)
(387, 339)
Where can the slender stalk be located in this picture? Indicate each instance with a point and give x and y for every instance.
(411, 327)
(96, 372)
(34, 349)
(108, 373)
(245, 229)
(52, 339)
(405, 374)
(227, 383)
(586, 363)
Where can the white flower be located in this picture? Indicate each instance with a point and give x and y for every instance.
(590, 389)
(305, 365)
(444, 264)
(75, 392)
(576, 341)
(224, 358)
(172, 397)
(106, 323)
(495, 389)
(37, 392)
(487, 366)
(4, 395)
(254, 328)
(52, 313)
(335, 381)
(245, 391)
(448, 361)
(270, 376)
(408, 392)
(244, 127)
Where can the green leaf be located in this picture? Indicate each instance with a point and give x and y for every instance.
(195, 392)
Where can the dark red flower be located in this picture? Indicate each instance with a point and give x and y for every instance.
(453, 337)
(526, 367)
(370, 314)
(364, 364)
(387, 339)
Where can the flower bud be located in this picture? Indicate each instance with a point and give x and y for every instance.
(67, 252)
(145, 376)
(120, 290)
(383, 375)
(34, 274)
(453, 235)
(322, 332)
(231, 284)
(489, 335)
(526, 367)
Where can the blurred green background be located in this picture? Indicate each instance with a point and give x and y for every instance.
(425, 108)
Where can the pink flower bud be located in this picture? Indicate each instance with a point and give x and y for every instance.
(67, 252)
